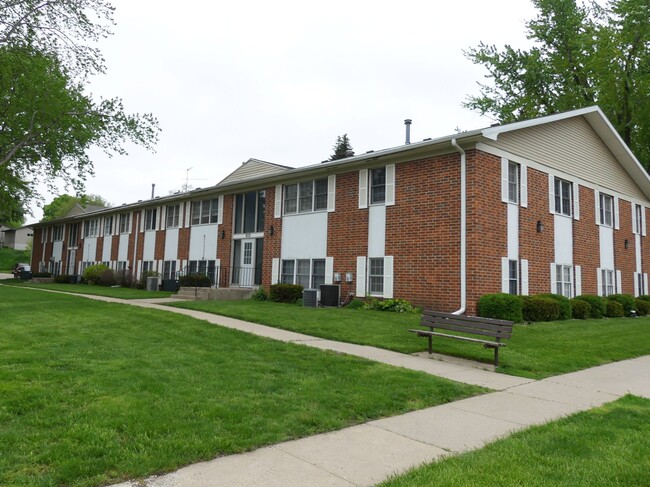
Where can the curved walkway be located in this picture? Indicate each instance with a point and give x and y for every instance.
(369, 453)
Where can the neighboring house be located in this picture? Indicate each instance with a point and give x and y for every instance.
(556, 204)
(17, 238)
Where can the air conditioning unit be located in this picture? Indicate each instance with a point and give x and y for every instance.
(330, 295)
(310, 298)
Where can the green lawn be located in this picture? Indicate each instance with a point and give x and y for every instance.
(607, 446)
(112, 292)
(93, 393)
(536, 351)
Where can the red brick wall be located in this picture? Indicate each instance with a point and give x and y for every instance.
(115, 247)
(347, 229)
(224, 245)
(37, 249)
(586, 242)
(159, 250)
(625, 259)
(184, 244)
(99, 249)
(272, 243)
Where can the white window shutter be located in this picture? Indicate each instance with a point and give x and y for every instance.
(524, 277)
(504, 179)
(617, 225)
(578, 279)
(597, 206)
(275, 270)
(636, 284)
(363, 188)
(645, 283)
(643, 221)
(523, 189)
(331, 193)
(551, 193)
(505, 275)
(277, 211)
(161, 217)
(220, 210)
(553, 278)
(619, 283)
(599, 281)
(361, 277)
(634, 228)
(329, 270)
(390, 184)
(388, 276)
(576, 201)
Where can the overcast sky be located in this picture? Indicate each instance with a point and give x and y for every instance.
(279, 81)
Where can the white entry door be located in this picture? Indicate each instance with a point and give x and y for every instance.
(247, 271)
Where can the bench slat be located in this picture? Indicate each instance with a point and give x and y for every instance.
(456, 337)
(471, 331)
(429, 312)
(487, 327)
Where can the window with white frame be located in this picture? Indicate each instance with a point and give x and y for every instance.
(303, 272)
(640, 280)
(317, 273)
(73, 235)
(121, 266)
(563, 280)
(513, 182)
(606, 210)
(376, 275)
(91, 228)
(205, 212)
(305, 197)
(150, 219)
(148, 265)
(108, 225)
(606, 282)
(173, 216)
(563, 192)
(378, 185)
(169, 269)
(249, 212)
(125, 219)
(513, 277)
(57, 234)
(637, 226)
(288, 269)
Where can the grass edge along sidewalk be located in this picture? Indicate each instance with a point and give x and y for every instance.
(93, 393)
(607, 445)
(535, 351)
(111, 292)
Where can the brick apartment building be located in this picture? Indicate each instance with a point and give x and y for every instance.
(555, 204)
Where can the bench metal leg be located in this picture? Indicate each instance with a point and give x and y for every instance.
(430, 345)
(496, 356)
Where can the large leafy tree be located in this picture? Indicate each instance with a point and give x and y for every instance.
(48, 121)
(62, 204)
(582, 54)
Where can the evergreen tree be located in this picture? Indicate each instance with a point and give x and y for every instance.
(342, 148)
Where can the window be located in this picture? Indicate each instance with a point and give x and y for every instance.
(513, 277)
(58, 233)
(150, 219)
(607, 282)
(147, 266)
(305, 197)
(562, 197)
(287, 271)
(249, 212)
(317, 273)
(606, 210)
(303, 272)
(121, 266)
(108, 225)
(638, 220)
(169, 269)
(513, 184)
(90, 228)
(378, 185)
(173, 216)
(563, 280)
(124, 222)
(376, 276)
(205, 212)
(640, 284)
(72, 235)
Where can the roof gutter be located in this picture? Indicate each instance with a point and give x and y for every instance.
(463, 228)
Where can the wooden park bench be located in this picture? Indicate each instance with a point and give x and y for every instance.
(471, 325)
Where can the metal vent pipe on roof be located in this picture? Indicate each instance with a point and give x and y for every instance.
(407, 122)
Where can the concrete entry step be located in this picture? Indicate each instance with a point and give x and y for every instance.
(218, 294)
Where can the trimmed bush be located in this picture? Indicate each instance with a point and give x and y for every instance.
(563, 302)
(596, 303)
(108, 278)
(41, 274)
(626, 300)
(194, 280)
(645, 297)
(538, 308)
(614, 309)
(286, 293)
(642, 307)
(260, 295)
(355, 304)
(93, 274)
(580, 309)
(63, 279)
(501, 306)
(395, 305)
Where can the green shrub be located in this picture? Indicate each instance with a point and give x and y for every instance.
(41, 274)
(63, 279)
(195, 280)
(260, 295)
(580, 309)
(286, 293)
(642, 307)
(563, 302)
(394, 304)
(645, 297)
(93, 274)
(596, 303)
(626, 300)
(538, 308)
(614, 309)
(501, 306)
(355, 304)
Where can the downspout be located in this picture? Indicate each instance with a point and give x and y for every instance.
(463, 229)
